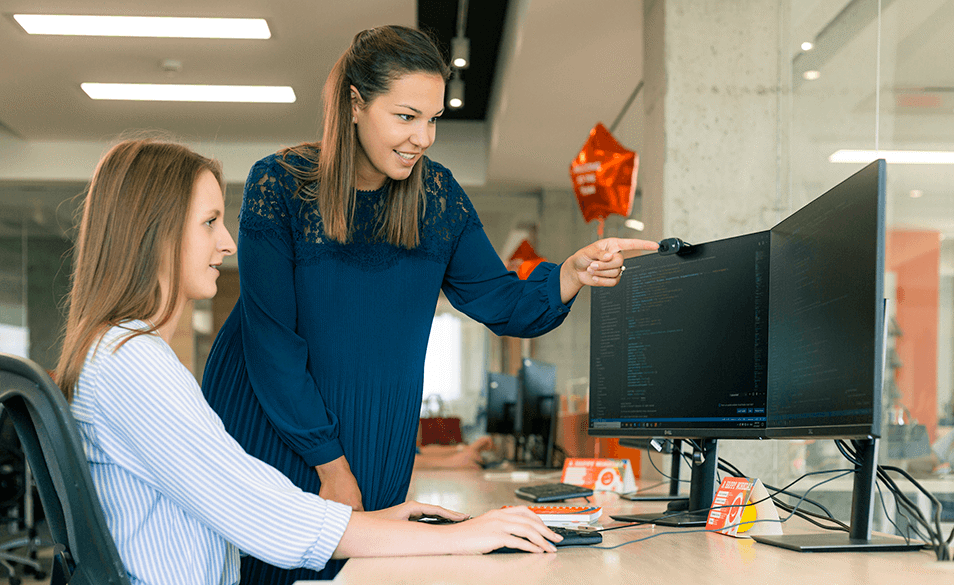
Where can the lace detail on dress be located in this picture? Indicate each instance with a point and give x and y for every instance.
(263, 212)
(271, 209)
(449, 214)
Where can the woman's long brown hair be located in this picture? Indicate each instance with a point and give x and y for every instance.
(374, 60)
(132, 220)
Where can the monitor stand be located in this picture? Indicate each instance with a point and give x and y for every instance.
(673, 495)
(702, 486)
(859, 539)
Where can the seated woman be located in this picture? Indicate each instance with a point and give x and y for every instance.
(180, 496)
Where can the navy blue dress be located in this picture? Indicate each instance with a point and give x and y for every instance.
(323, 355)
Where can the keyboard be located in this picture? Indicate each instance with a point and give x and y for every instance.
(570, 536)
(552, 492)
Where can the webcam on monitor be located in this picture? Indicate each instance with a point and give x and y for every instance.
(674, 246)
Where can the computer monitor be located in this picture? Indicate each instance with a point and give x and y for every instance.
(818, 357)
(678, 349)
(538, 409)
(827, 338)
(826, 333)
(502, 396)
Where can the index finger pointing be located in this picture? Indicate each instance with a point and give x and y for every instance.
(633, 244)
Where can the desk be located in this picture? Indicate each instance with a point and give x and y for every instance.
(678, 558)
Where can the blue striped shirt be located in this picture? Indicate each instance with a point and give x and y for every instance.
(180, 496)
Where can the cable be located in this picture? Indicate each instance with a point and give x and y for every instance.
(900, 497)
(903, 504)
(661, 472)
(842, 473)
(905, 507)
(738, 473)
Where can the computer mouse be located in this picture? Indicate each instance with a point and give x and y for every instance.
(570, 536)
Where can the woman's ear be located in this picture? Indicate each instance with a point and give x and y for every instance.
(356, 103)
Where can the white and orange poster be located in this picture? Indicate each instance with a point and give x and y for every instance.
(610, 475)
(742, 508)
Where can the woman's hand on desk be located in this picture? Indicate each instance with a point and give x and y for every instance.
(338, 483)
(514, 527)
(388, 533)
(414, 510)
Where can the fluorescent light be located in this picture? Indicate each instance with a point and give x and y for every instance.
(167, 92)
(811, 75)
(908, 157)
(635, 224)
(144, 26)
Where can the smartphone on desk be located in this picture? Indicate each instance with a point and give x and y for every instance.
(436, 520)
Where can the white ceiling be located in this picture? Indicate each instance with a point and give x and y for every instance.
(40, 75)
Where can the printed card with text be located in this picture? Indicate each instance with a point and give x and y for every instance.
(742, 508)
(611, 475)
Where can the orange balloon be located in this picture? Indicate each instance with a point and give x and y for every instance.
(604, 176)
(527, 266)
(524, 259)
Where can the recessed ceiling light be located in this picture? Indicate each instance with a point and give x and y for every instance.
(910, 157)
(168, 92)
(144, 26)
(811, 75)
(916, 193)
(806, 46)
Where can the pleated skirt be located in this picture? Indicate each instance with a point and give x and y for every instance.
(377, 431)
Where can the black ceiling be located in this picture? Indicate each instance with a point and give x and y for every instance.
(485, 21)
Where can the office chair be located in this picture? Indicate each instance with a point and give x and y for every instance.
(16, 495)
(84, 553)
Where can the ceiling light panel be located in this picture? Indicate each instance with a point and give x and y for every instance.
(167, 92)
(144, 26)
(910, 157)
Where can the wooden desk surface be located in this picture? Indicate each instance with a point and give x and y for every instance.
(678, 557)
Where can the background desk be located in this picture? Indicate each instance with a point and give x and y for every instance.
(680, 557)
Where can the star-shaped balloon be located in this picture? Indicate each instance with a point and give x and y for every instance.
(524, 260)
(604, 177)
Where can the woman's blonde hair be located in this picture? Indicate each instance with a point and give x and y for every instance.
(374, 60)
(131, 224)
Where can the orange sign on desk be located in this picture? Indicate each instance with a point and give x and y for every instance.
(742, 508)
(611, 475)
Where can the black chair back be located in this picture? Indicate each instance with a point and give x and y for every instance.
(85, 552)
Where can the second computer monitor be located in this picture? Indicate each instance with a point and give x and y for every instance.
(826, 333)
(502, 396)
(538, 407)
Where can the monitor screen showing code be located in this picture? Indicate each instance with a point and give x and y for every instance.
(826, 313)
(680, 346)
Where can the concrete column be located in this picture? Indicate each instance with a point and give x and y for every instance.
(715, 130)
(715, 137)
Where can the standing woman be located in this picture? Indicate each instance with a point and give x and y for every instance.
(180, 496)
(344, 247)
